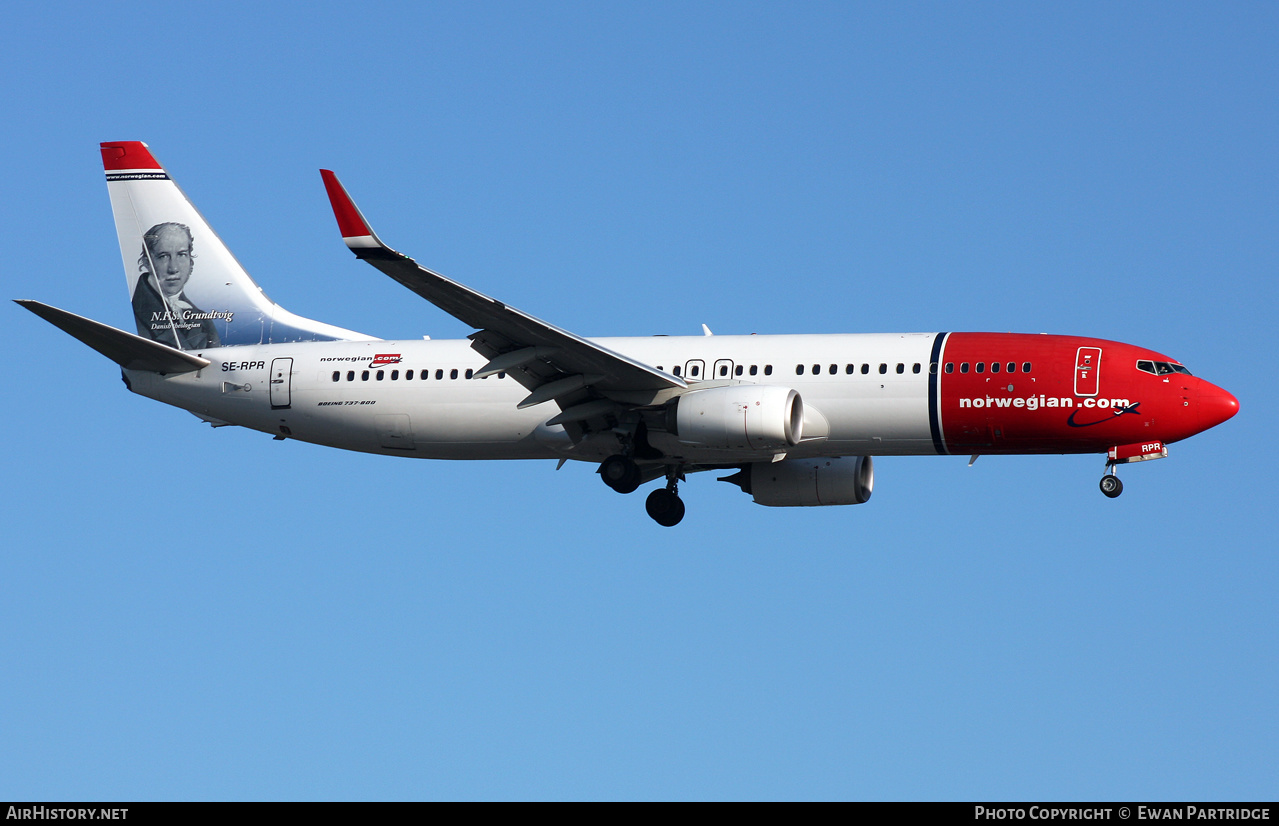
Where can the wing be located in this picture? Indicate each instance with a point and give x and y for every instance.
(586, 380)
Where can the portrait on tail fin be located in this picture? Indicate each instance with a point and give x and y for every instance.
(160, 305)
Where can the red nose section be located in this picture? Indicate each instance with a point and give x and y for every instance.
(1215, 405)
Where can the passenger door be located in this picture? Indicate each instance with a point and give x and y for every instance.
(281, 382)
(1087, 371)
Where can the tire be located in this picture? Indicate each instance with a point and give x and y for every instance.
(620, 473)
(1111, 486)
(666, 508)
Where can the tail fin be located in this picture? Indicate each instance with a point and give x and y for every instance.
(188, 290)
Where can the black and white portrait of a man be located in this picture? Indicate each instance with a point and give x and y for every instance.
(160, 307)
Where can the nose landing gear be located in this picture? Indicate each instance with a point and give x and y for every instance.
(1110, 484)
(1122, 455)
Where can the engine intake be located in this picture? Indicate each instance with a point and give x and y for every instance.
(739, 417)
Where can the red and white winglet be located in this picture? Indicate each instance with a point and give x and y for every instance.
(356, 232)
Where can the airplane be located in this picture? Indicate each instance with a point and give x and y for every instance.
(795, 420)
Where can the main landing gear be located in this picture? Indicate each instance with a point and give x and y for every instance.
(664, 505)
(620, 473)
(1110, 484)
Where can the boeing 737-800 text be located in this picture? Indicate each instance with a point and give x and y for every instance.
(795, 419)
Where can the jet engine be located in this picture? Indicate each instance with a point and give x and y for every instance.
(847, 480)
(739, 417)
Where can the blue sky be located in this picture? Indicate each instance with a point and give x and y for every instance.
(201, 614)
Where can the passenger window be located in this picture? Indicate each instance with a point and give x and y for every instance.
(364, 376)
(439, 374)
(395, 375)
(1025, 367)
(932, 369)
(453, 373)
(694, 370)
(950, 367)
(723, 369)
(799, 369)
(834, 368)
(350, 375)
(915, 369)
(817, 369)
(768, 369)
(337, 374)
(381, 374)
(865, 369)
(994, 367)
(469, 372)
(981, 367)
(850, 368)
(675, 370)
(408, 375)
(501, 376)
(754, 369)
(963, 367)
(1012, 367)
(883, 368)
(901, 368)
(737, 371)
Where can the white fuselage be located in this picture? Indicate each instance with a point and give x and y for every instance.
(352, 395)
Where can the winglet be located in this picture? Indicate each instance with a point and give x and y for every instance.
(356, 232)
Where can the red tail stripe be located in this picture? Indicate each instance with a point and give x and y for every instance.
(127, 155)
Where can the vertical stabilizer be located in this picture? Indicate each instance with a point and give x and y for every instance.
(188, 290)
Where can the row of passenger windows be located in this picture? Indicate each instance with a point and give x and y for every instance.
(740, 369)
(964, 367)
(995, 367)
(694, 370)
(864, 369)
(850, 369)
(423, 375)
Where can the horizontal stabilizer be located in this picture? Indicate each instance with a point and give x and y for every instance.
(125, 349)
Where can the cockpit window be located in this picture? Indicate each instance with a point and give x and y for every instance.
(1161, 368)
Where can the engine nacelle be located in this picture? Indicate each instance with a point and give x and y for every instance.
(793, 483)
(739, 417)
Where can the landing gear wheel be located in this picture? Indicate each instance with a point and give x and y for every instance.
(665, 506)
(620, 473)
(1111, 486)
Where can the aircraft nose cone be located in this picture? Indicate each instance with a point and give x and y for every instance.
(1215, 405)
